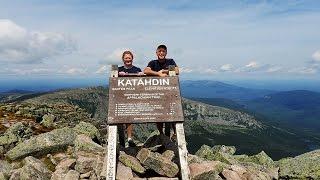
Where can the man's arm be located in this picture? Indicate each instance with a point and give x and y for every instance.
(150, 72)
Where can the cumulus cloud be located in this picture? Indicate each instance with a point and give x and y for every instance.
(19, 45)
(210, 71)
(19, 71)
(273, 69)
(316, 56)
(114, 57)
(75, 71)
(185, 70)
(226, 67)
(303, 70)
(255, 66)
(102, 70)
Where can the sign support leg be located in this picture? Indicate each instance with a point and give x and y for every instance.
(183, 152)
(112, 152)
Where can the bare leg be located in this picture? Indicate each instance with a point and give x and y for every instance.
(129, 133)
(129, 130)
(174, 128)
(160, 127)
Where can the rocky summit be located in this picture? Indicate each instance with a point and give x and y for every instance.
(43, 137)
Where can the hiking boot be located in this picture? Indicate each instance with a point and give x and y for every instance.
(131, 143)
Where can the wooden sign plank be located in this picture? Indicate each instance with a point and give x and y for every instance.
(112, 153)
(144, 99)
(183, 152)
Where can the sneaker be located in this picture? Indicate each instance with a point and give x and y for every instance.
(131, 143)
(174, 138)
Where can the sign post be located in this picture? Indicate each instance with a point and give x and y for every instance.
(144, 99)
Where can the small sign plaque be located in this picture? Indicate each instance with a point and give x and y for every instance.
(144, 99)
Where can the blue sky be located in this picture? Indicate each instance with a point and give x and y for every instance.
(208, 39)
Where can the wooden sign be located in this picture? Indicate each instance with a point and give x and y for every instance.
(144, 99)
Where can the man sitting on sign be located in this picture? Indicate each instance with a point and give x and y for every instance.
(127, 69)
(160, 67)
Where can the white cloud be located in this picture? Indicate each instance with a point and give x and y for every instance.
(75, 71)
(273, 69)
(185, 70)
(316, 55)
(19, 71)
(115, 57)
(18, 45)
(226, 67)
(102, 70)
(253, 65)
(303, 70)
(209, 71)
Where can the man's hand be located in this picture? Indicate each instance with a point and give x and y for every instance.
(122, 73)
(162, 73)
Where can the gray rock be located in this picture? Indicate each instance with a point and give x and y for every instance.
(194, 159)
(5, 168)
(85, 175)
(238, 169)
(34, 169)
(16, 129)
(1, 151)
(260, 159)
(231, 175)
(50, 142)
(15, 174)
(131, 162)
(168, 154)
(85, 164)
(224, 149)
(99, 165)
(59, 174)
(253, 174)
(58, 157)
(88, 130)
(66, 164)
(3, 176)
(162, 178)
(123, 172)
(85, 143)
(93, 176)
(305, 166)
(63, 168)
(48, 120)
(206, 170)
(158, 163)
(205, 152)
(72, 175)
(7, 139)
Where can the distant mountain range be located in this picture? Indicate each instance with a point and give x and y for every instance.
(297, 108)
(216, 89)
